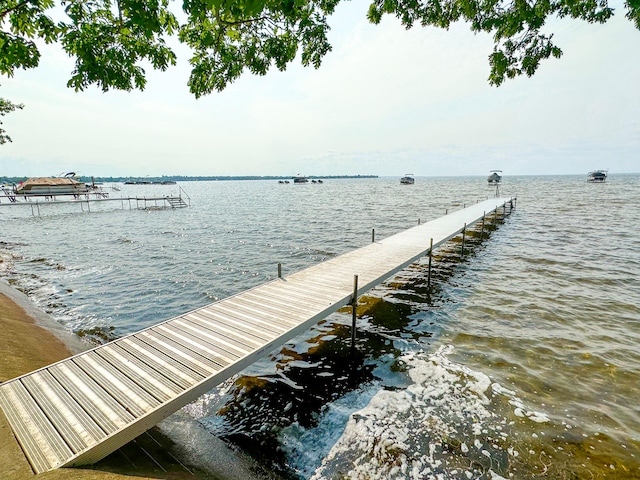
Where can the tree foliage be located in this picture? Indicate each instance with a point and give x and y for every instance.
(112, 41)
(516, 26)
(6, 107)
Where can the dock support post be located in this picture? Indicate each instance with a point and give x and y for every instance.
(373, 235)
(463, 235)
(429, 270)
(482, 230)
(418, 221)
(354, 303)
(279, 270)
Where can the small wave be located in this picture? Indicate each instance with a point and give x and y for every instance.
(125, 240)
(443, 425)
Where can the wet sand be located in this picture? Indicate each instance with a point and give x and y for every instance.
(31, 340)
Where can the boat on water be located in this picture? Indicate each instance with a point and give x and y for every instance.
(300, 179)
(408, 179)
(64, 185)
(494, 177)
(597, 176)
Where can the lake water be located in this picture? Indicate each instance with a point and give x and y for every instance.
(522, 361)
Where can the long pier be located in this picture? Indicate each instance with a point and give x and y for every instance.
(79, 410)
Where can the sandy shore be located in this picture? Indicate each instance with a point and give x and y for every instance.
(31, 340)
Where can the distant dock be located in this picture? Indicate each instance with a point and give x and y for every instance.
(86, 199)
(79, 410)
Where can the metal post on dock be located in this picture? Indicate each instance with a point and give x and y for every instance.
(373, 235)
(463, 235)
(418, 221)
(429, 270)
(354, 303)
(279, 270)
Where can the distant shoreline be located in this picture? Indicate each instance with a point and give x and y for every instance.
(195, 178)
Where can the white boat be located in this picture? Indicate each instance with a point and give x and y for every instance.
(408, 179)
(597, 176)
(495, 177)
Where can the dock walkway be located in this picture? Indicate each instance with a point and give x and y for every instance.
(79, 410)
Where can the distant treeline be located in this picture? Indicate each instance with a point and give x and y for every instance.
(186, 178)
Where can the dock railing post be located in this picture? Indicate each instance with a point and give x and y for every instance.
(418, 221)
(429, 270)
(463, 235)
(354, 303)
(373, 235)
(279, 270)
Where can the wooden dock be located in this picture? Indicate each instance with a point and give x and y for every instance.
(79, 410)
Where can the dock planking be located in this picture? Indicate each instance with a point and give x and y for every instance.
(77, 411)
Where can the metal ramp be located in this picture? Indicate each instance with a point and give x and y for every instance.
(79, 410)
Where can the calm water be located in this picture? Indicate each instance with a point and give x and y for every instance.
(521, 362)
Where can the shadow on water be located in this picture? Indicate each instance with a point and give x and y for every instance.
(321, 369)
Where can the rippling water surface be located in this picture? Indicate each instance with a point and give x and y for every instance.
(521, 361)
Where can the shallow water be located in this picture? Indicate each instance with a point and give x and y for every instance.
(521, 361)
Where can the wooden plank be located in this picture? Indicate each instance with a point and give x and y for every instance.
(152, 381)
(124, 390)
(198, 363)
(98, 404)
(252, 328)
(297, 295)
(209, 350)
(239, 333)
(71, 421)
(254, 307)
(40, 441)
(288, 310)
(264, 310)
(223, 340)
(179, 373)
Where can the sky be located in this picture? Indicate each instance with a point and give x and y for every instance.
(386, 101)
